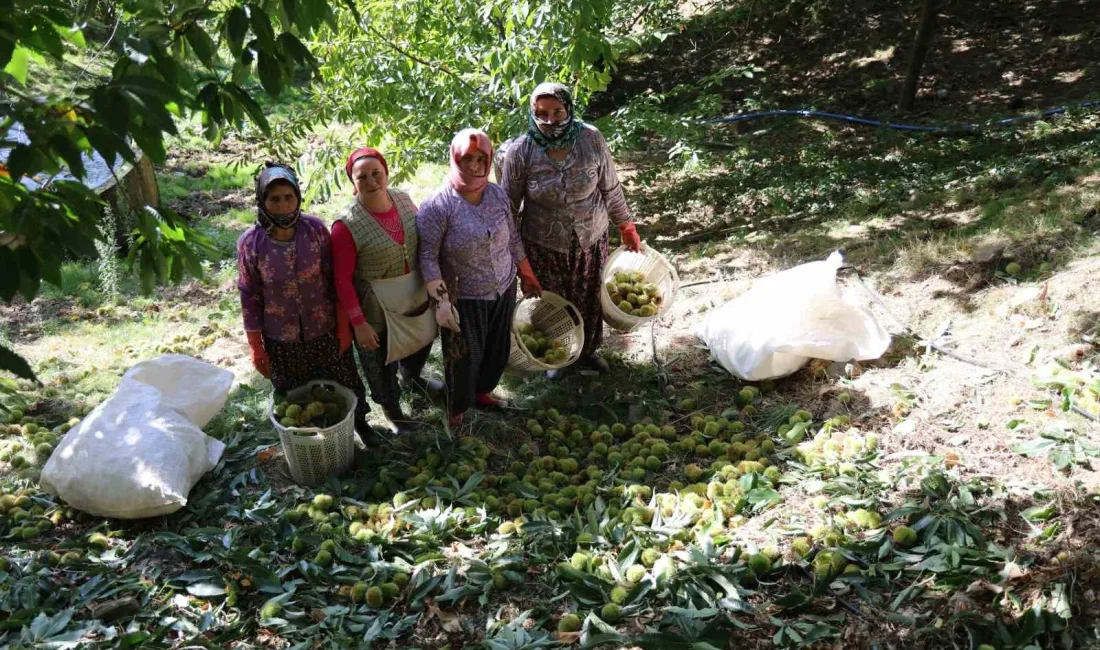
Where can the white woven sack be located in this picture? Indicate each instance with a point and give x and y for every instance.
(788, 318)
(139, 453)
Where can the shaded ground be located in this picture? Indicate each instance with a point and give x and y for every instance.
(987, 58)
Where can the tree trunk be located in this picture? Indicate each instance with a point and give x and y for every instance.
(920, 51)
(137, 189)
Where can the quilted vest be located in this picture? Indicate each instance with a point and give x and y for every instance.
(378, 257)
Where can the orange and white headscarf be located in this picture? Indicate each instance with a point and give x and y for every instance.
(465, 141)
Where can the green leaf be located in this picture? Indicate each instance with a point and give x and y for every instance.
(30, 276)
(64, 145)
(629, 555)
(206, 589)
(203, 47)
(211, 102)
(1039, 513)
(21, 161)
(762, 498)
(15, 364)
(290, 8)
(1035, 447)
(271, 73)
(236, 28)
(9, 282)
(292, 46)
(1061, 457)
(74, 35)
(17, 66)
(255, 112)
(261, 26)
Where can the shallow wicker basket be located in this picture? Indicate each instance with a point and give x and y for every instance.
(323, 452)
(656, 269)
(558, 319)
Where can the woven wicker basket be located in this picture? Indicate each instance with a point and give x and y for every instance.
(656, 269)
(321, 452)
(554, 316)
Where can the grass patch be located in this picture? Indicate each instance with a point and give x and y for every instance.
(195, 178)
(425, 181)
(79, 281)
(57, 79)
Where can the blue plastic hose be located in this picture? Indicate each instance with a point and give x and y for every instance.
(966, 129)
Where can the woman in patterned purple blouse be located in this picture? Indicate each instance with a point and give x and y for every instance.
(470, 254)
(563, 187)
(284, 264)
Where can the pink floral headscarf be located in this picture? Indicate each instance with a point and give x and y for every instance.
(465, 141)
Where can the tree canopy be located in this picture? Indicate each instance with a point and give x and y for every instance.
(410, 72)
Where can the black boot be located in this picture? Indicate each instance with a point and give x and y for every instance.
(401, 422)
(369, 436)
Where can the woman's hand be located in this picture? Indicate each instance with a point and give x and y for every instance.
(528, 283)
(260, 361)
(445, 316)
(437, 291)
(629, 234)
(366, 336)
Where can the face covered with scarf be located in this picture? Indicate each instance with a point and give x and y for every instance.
(551, 120)
(278, 197)
(471, 155)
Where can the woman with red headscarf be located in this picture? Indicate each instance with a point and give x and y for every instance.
(374, 240)
(470, 255)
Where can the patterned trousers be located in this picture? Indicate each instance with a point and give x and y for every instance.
(576, 277)
(296, 363)
(382, 378)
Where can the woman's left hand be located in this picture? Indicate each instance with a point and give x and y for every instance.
(528, 283)
(530, 286)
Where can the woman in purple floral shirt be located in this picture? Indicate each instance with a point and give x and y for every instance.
(470, 254)
(294, 329)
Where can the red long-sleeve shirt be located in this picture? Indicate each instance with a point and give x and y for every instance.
(345, 256)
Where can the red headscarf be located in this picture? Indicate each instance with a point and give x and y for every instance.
(465, 141)
(364, 152)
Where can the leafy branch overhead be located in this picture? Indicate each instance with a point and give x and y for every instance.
(162, 63)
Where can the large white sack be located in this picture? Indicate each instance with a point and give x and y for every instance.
(139, 453)
(788, 318)
(195, 388)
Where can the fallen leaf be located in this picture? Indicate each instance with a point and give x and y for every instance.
(960, 602)
(449, 622)
(112, 610)
(568, 637)
(980, 586)
(1012, 571)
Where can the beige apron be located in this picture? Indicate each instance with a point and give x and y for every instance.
(409, 317)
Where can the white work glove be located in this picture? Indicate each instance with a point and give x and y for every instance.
(446, 316)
